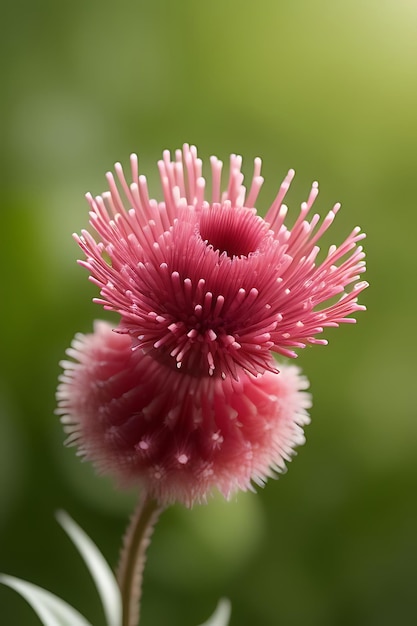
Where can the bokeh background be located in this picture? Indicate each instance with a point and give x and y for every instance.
(327, 87)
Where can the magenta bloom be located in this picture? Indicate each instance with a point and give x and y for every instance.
(186, 395)
(176, 434)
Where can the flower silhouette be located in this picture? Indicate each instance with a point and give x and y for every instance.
(186, 394)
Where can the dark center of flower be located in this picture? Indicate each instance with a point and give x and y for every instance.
(235, 231)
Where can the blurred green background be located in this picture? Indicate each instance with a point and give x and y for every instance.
(327, 87)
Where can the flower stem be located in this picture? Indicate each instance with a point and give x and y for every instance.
(132, 558)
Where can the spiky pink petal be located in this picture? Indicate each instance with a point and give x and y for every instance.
(204, 283)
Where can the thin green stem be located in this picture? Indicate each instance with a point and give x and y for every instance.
(132, 558)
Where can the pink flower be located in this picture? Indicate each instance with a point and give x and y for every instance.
(186, 395)
(209, 285)
(175, 434)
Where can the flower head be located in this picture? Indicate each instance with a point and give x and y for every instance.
(186, 394)
(177, 435)
(208, 285)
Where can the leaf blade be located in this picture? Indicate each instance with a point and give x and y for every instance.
(221, 615)
(52, 610)
(103, 577)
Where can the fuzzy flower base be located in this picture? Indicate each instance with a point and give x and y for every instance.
(178, 435)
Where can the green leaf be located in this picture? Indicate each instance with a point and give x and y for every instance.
(51, 610)
(221, 615)
(100, 570)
